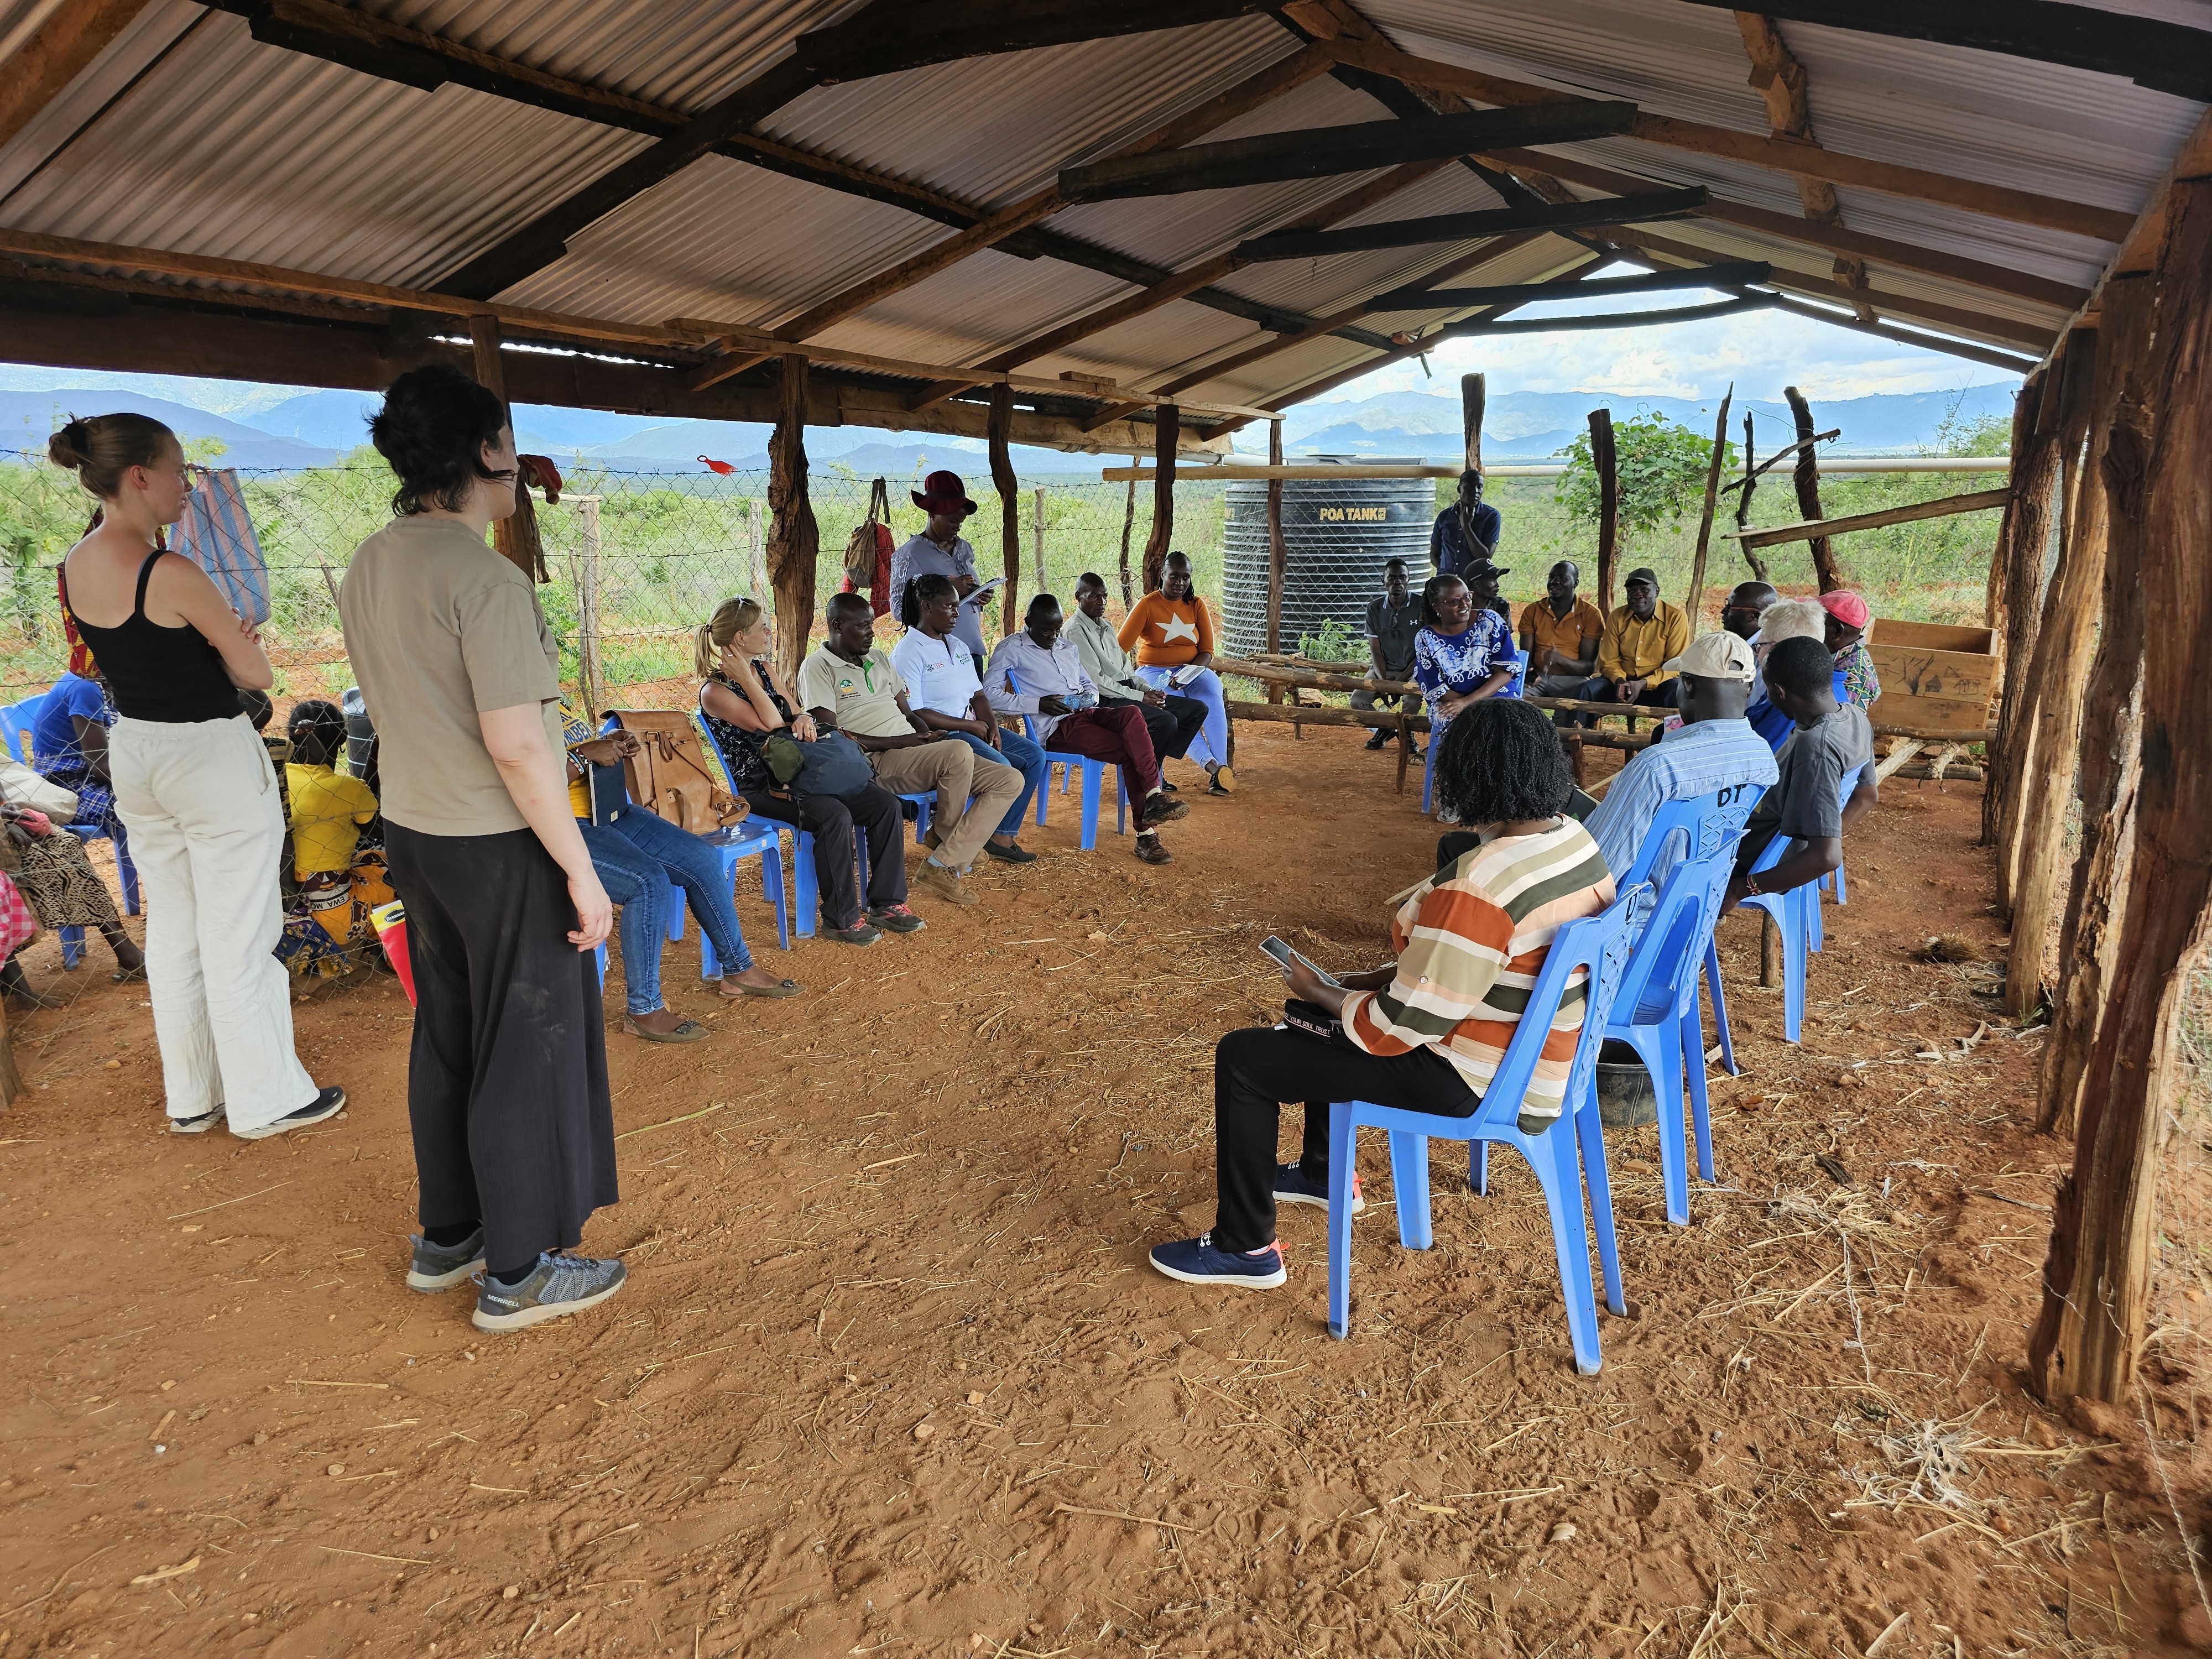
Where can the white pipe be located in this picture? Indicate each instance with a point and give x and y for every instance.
(1322, 469)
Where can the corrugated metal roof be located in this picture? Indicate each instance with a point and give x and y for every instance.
(188, 135)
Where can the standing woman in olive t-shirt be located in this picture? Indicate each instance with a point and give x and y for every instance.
(507, 1080)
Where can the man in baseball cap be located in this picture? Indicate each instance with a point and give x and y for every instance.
(1640, 638)
(1849, 624)
(1714, 754)
(941, 550)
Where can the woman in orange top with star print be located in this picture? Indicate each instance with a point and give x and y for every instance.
(1170, 633)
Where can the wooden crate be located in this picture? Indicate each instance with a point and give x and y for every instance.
(1934, 677)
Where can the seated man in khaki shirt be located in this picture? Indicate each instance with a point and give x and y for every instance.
(849, 685)
(1640, 638)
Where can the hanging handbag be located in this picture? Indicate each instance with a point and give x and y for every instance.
(216, 534)
(830, 765)
(860, 545)
(668, 775)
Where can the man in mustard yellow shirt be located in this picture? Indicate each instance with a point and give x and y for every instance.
(1639, 639)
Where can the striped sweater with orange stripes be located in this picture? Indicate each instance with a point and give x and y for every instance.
(1470, 946)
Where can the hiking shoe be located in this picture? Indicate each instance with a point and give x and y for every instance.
(942, 882)
(441, 1266)
(558, 1284)
(1200, 1261)
(329, 1104)
(196, 1126)
(1158, 810)
(1149, 849)
(1294, 1186)
(1221, 781)
(1382, 735)
(896, 919)
(1016, 854)
(859, 933)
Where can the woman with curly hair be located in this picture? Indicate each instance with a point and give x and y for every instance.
(1425, 1033)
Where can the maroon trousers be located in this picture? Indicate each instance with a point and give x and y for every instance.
(1117, 734)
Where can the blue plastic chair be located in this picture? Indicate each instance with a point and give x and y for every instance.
(1798, 915)
(17, 720)
(1696, 828)
(1656, 1013)
(1599, 946)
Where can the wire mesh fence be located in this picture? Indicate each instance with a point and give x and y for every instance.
(638, 559)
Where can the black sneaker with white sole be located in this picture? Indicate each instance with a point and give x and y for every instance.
(558, 1284)
(440, 1267)
(327, 1104)
(1294, 1186)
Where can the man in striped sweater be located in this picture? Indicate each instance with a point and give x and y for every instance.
(1428, 1032)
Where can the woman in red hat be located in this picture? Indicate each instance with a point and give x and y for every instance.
(1849, 624)
(941, 550)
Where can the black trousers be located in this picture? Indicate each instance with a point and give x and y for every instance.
(833, 820)
(1172, 728)
(1256, 1070)
(1598, 689)
(506, 1081)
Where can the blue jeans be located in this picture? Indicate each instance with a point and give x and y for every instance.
(1025, 756)
(1204, 688)
(636, 857)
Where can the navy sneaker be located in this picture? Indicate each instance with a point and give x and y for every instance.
(558, 1284)
(440, 1267)
(1294, 1186)
(1197, 1261)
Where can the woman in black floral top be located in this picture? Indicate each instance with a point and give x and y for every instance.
(743, 705)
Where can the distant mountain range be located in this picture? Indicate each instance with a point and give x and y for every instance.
(1536, 425)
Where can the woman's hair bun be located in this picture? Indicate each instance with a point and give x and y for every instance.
(71, 446)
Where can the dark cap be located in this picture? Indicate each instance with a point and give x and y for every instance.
(1485, 568)
(1642, 573)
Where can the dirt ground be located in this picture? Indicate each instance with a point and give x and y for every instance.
(892, 1375)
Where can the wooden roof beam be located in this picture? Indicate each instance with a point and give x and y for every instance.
(1275, 157)
(62, 48)
(1782, 153)
(1780, 79)
(2165, 56)
(1462, 226)
(1417, 297)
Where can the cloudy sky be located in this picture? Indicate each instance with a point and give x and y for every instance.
(1682, 360)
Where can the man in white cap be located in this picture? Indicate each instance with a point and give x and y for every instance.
(1713, 750)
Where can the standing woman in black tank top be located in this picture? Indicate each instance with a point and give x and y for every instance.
(193, 786)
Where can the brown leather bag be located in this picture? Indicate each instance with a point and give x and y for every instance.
(668, 775)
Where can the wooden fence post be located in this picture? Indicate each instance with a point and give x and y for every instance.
(1474, 398)
(999, 429)
(491, 375)
(2025, 403)
(2097, 1276)
(793, 538)
(1129, 525)
(1037, 525)
(591, 672)
(2026, 532)
(1167, 427)
(1608, 501)
(1805, 475)
(2051, 725)
(2110, 768)
(756, 523)
(1697, 595)
(1743, 501)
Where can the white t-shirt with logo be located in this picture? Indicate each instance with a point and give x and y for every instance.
(939, 674)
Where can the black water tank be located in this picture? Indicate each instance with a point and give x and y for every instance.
(361, 731)
(1338, 534)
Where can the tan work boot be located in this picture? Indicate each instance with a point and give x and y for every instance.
(941, 881)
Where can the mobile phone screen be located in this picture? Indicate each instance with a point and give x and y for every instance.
(1283, 954)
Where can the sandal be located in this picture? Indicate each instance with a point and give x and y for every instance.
(689, 1030)
(785, 987)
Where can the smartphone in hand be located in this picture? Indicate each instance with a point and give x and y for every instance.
(1285, 955)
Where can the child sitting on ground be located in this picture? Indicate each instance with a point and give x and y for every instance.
(328, 808)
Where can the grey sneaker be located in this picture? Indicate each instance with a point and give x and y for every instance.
(441, 1266)
(558, 1284)
(196, 1126)
(327, 1104)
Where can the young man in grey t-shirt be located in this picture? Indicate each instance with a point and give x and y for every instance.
(1807, 802)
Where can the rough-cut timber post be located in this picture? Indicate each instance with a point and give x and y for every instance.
(2051, 725)
(999, 429)
(484, 336)
(2110, 766)
(1279, 551)
(1129, 525)
(2097, 1278)
(1806, 475)
(11, 1081)
(1473, 395)
(1696, 597)
(1167, 421)
(2020, 757)
(1743, 500)
(2025, 403)
(793, 538)
(2026, 531)
(1608, 501)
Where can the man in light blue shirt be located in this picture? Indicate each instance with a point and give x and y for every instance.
(1714, 749)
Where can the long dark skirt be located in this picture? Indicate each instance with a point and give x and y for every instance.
(507, 1083)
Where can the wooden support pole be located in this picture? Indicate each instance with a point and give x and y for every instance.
(1168, 423)
(1608, 501)
(491, 375)
(793, 538)
(1805, 476)
(1751, 473)
(591, 670)
(2027, 530)
(1036, 526)
(2110, 769)
(1474, 398)
(756, 527)
(2097, 1276)
(2051, 723)
(1129, 525)
(1002, 479)
(1278, 550)
(1697, 594)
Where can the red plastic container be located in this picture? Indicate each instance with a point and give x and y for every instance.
(390, 921)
